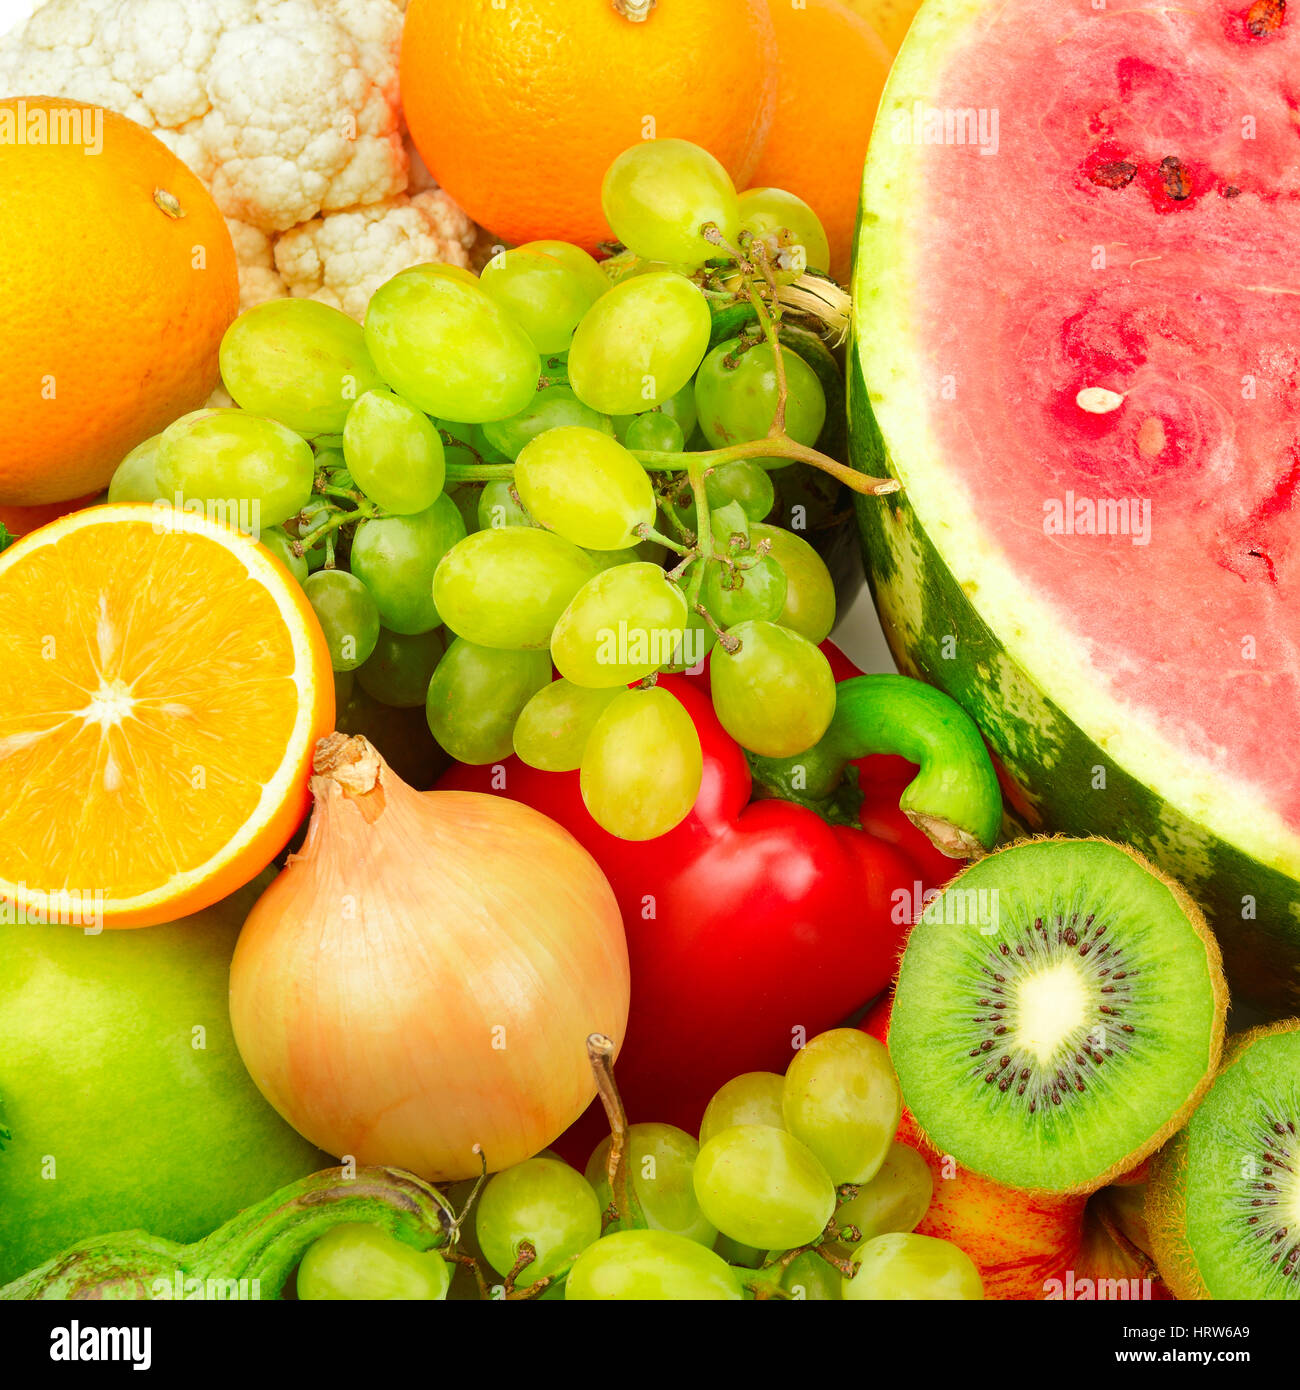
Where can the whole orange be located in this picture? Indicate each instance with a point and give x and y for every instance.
(519, 108)
(117, 277)
(891, 19)
(833, 68)
(22, 521)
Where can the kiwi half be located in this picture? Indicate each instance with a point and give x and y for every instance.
(1059, 1012)
(1223, 1207)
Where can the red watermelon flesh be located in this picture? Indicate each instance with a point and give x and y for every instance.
(1196, 301)
(1078, 347)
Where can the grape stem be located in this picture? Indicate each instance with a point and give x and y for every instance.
(334, 521)
(600, 1052)
(470, 1263)
(648, 533)
(347, 494)
(697, 473)
(526, 1255)
(458, 1224)
(784, 447)
(729, 644)
(480, 472)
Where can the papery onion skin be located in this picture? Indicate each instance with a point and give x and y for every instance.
(423, 975)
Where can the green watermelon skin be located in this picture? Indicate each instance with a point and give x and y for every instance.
(1056, 776)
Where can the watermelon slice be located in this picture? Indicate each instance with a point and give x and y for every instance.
(1078, 347)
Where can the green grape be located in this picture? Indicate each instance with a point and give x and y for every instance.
(452, 272)
(343, 685)
(621, 626)
(681, 407)
(753, 1098)
(556, 723)
(347, 615)
(651, 1266)
(359, 1262)
(742, 481)
(788, 227)
(498, 506)
(544, 1202)
(809, 607)
(894, 1200)
(698, 640)
(507, 586)
(586, 486)
(332, 462)
(476, 696)
(900, 1266)
(467, 497)
(396, 558)
(762, 1187)
(730, 526)
(736, 595)
(660, 1160)
(329, 444)
(299, 362)
(545, 297)
(658, 195)
(775, 695)
(450, 350)
(575, 259)
(611, 559)
(745, 1256)
(233, 461)
(394, 454)
(555, 367)
(640, 344)
(642, 267)
(842, 1100)
(280, 543)
(550, 409)
(656, 432)
(737, 394)
(136, 477)
(398, 671)
(468, 445)
(810, 1278)
(642, 765)
(400, 736)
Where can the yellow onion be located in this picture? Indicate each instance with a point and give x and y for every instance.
(423, 976)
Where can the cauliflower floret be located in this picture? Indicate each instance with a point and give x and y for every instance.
(290, 112)
(341, 260)
(284, 108)
(258, 279)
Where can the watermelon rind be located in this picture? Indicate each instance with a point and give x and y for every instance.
(1073, 759)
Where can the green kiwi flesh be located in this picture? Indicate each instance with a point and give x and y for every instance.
(1059, 1011)
(1224, 1205)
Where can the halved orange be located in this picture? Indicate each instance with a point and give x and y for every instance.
(163, 682)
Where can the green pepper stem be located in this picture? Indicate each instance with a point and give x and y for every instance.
(954, 798)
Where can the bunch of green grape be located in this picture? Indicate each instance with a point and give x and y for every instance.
(546, 469)
(795, 1189)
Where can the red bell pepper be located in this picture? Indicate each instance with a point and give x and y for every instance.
(772, 912)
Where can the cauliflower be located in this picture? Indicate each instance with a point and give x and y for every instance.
(342, 259)
(289, 110)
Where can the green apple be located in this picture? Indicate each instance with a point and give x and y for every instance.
(126, 1101)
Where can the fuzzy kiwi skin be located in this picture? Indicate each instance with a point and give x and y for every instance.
(1166, 1203)
(1214, 961)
